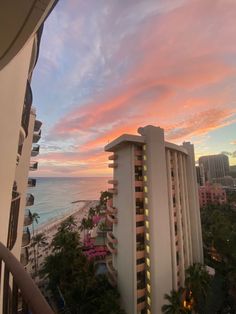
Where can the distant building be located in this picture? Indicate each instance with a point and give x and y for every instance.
(226, 181)
(200, 175)
(211, 194)
(155, 215)
(232, 171)
(215, 166)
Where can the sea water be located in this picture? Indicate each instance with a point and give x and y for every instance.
(54, 197)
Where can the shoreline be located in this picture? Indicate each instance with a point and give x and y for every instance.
(50, 228)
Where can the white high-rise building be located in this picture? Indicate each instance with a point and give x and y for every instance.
(156, 219)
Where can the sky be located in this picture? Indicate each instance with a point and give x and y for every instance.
(107, 67)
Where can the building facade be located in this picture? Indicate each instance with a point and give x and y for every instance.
(20, 33)
(215, 166)
(155, 215)
(211, 194)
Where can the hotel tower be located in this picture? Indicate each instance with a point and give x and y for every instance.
(155, 214)
(20, 33)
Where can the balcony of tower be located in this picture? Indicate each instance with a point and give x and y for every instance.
(140, 250)
(29, 199)
(112, 218)
(111, 248)
(113, 165)
(35, 150)
(36, 136)
(13, 219)
(113, 157)
(33, 165)
(111, 238)
(113, 191)
(141, 306)
(28, 219)
(112, 272)
(31, 182)
(26, 238)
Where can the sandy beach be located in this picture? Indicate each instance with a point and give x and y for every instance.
(50, 228)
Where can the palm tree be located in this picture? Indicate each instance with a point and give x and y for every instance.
(175, 305)
(197, 280)
(35, 217)
(39, 240)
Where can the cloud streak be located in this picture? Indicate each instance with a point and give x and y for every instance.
(126, 64)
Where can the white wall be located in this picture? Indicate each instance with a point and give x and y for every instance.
(13, 80)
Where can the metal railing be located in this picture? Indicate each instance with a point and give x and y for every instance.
(19, 288)
(13, 220)
(26, 109)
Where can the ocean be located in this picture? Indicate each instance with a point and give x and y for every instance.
(53, 197)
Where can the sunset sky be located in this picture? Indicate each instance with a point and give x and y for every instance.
(107, 67)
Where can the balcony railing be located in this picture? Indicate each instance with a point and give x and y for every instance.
(112, 218)
(25, 238)
(37, 125)
(113, 191)
(113, 157)
(29, 200)
(33, 165)
(26, 109)
(113, 165)
(35, 150)
(36, 136)
(19, 287)
(111, 248)
(112, 272)
(111, 238)
(28, 220)
(13, 220)
(31, 182)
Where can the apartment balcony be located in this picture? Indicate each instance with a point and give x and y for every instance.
(114, 182)
(35, 150)
(29, 200)
(113, 165)
(111, 210)
(24, 290)
(112, 272)
(113, 157)
(111, 248)
(27, 108)
(36, 136)
(111, 238)
(22, 136)
(31, 182)
(141, 306)
(138, 152)
(141, 291)
(28, 219)
(24, 256)
(112, 218)
(13, 220)
(138, 183)
(33, 165)
(140, 229)
(140, 251)
(113, 191)
(139, 218)
(138, 162)
(37, 125)
(140, 267)
(139, 194)
(25, 238)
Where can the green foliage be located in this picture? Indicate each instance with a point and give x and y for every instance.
(68, 269)
(219, 236)
(175, 304)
